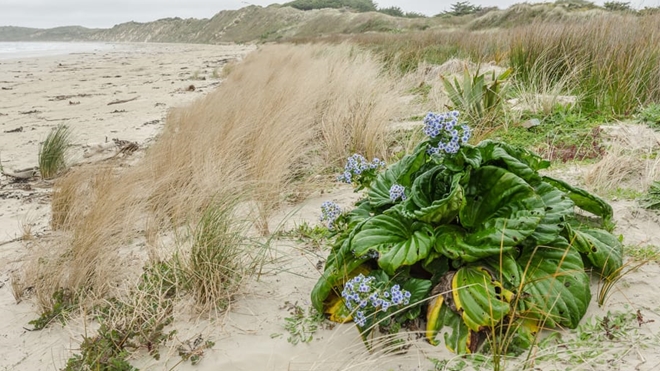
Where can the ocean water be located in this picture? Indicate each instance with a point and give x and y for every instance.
(13, 50)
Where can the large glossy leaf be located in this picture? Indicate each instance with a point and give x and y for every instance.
(559, 208)
(436, 197)
(399, 241)
(555, 286)
(505, 269)
(584, 200)
(602, 249)
(452, 242)
(501, 209)
(519, 161)
(478, 298)
(399, 173)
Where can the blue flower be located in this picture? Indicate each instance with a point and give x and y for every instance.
(385, 305)
(330, 211)
(397, 192)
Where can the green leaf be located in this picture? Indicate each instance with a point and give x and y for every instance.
(521, 162)
(399, 241)
(452, 242)
(435, 196)
(501, 209)
(478, 297)
(602, 249)
(559, 208)
(506, 270)
(584, 200)
(341, 263)
(332, 277)
(555, 286)
(418, 288)
(459, 340)
(399, 173)
(466, 156)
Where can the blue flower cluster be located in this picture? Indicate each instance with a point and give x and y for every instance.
(330, 211)
(357, 165)
(397, 192)
(444, 126)
(362, 295)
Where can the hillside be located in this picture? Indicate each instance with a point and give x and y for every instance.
(276, 22)
(249, 24)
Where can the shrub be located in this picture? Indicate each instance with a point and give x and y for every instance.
(469, 237)
(617, 6)
(463, 8)
(52, 152)
(359, 5)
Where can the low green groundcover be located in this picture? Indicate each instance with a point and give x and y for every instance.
(466, 238)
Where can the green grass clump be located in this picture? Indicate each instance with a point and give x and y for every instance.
(564, 135)
(52, 152)
(218, 260)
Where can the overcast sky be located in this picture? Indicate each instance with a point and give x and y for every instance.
(106, 13)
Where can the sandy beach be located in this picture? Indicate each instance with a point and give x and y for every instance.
(125, 93)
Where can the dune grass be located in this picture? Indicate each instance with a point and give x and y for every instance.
(612, 69)
(219, 257)
(53, 151)
(281, 116)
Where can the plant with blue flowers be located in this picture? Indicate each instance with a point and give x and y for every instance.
(360, 172)
(467, 237)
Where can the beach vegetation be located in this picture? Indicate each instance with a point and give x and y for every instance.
(53, 152)
(468, 237)
(218, 258)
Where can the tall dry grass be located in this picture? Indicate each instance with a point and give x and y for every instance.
(285, 111)
(611, 67)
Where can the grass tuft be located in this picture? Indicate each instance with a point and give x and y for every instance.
(53, 151)
(218, 260)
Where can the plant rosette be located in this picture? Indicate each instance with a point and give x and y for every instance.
(483, 244)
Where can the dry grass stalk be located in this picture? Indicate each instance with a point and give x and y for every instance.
(284, 109)
(629, 162)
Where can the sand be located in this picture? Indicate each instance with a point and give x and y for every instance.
(39, 93)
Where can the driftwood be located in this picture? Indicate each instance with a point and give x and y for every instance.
(119, 101)
(23, 174)
(17, 130)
